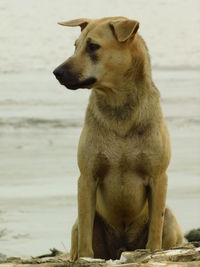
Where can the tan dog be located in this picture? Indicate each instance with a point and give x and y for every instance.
(124, 148)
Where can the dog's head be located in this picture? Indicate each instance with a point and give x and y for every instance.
(102, 53)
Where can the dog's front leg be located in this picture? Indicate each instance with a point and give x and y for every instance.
(86, 213)
(157, 200)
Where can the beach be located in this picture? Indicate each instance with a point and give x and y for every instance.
(41, 121)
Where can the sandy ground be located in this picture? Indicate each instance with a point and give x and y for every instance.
(38, 142)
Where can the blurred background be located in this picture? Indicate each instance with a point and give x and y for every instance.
(40, 121)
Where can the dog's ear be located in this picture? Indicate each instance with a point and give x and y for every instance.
(124, 29)
(76, 22)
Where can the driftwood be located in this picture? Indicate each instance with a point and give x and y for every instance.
(187, 255)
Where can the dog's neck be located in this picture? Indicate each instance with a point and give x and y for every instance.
(115, 108)
(125, 111)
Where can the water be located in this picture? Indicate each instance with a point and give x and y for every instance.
(40, 121)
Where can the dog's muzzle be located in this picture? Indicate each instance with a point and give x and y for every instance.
(70, 79)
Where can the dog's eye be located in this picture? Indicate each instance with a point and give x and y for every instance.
(91, 47)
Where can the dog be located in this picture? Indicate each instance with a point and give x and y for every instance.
(124, 147)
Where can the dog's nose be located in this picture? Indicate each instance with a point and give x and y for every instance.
(58, 72)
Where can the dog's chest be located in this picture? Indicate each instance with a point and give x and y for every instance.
(122, 174)
(121, 160)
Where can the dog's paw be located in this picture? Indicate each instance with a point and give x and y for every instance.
(153, 246)
(86, 253)
(73, 256)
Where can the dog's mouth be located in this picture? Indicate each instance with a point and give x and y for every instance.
(87, 83)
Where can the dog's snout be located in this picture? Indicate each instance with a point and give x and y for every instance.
(68, 76)
(58, 72)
